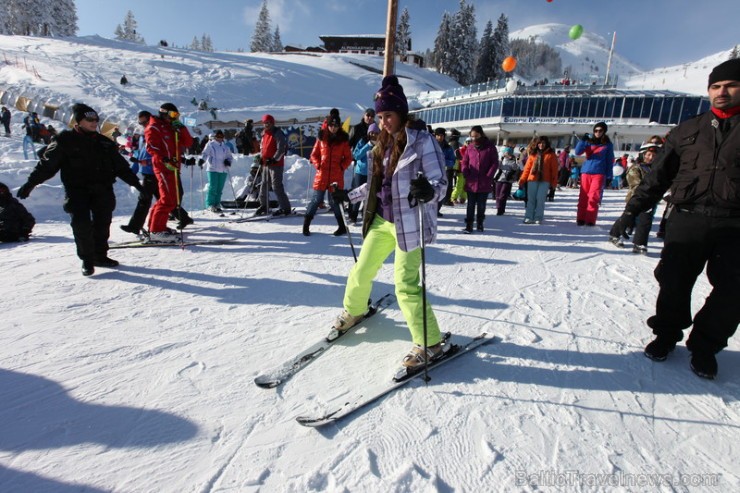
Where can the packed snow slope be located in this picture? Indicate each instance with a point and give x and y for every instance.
(139, 379)
(239, 85)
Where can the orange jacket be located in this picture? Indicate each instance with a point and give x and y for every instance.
(331, 159)
(549, 169)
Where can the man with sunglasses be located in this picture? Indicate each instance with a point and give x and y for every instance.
(167, 140)
(89, 163)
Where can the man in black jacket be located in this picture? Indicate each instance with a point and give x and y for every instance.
(89, 163)
(701, 167)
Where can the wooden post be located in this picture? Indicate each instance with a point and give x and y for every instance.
(390, 38)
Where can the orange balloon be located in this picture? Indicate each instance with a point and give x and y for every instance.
(508, 64)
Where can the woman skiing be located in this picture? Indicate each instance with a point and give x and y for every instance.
(407, 172)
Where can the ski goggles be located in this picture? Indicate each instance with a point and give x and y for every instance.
(173, 115)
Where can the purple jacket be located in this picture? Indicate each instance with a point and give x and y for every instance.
(478, 167)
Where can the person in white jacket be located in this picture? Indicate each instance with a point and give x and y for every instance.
(217, 157)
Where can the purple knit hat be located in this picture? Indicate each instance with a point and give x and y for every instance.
(390, 97)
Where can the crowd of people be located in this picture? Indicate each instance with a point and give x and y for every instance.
(404, 173)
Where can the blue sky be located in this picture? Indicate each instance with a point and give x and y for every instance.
(651, 33)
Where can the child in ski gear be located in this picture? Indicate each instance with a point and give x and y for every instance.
(596, 172)
(89, 163)
(635, 174)
(166, 141)
(478, 167)
(273, 149)
(217, 158)
(331, 156)
(539, 175)
(16, 222)
(391, 222)
(698, 164)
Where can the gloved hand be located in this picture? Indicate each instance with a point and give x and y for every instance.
(25, 191)
(227, 163)
(133, 159)
(139, 187)
(269, 161)
(623, 226)
(201, 161)
(339, 195)
(177, 124)
(586, 136)
(190, 161)
(421, 189)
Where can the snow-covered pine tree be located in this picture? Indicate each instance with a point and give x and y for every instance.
(127, 32)
(484, 70)
(501, 46)
(537, 60)
(465, 43)
(195, 44)
(64, 17)
(403, 34)
(443, 45)
(205, 43)
(277, 43)
(262, 37)
(735, 53)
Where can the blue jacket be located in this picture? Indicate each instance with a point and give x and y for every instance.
(144, 166)
(360, 153)
(599, 159)
(449, 153)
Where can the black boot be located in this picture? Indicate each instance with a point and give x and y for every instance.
(129, 229)
(306, 223)
(341, 230)
(704, 364)
(105, 261)
(480, 225)
(468, 227)
(88, 268)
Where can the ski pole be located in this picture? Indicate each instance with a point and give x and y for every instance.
(423, 281)
(333, 187)
(228, 177)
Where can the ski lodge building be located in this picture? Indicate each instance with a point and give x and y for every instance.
(561, 112)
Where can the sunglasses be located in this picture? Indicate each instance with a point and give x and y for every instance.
(91, 120)
(598, 130)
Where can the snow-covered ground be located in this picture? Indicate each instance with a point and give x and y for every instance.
(139, 379)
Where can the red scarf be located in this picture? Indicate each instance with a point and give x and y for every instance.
(726, 114)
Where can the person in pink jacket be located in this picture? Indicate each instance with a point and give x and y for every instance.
(478, 167)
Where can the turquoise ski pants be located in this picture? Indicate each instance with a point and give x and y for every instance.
(379, 243)
(216, 182)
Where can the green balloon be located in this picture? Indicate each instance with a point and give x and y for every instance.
(575, 31)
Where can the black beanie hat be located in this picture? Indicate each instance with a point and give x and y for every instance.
(729, 70)
(390, 97)
(82, 111)
(601, 125)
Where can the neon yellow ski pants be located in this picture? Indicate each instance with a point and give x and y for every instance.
(379, 243)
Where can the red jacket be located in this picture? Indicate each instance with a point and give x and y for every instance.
(331, 159)
(160, 139)
(273, 146)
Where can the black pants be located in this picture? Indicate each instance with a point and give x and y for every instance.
(151, 190)
(450, 186)
(91, 212)
(692, 241)
(476, 206)
(642, 227)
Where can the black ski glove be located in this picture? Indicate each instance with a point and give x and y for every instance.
(177, 124)
(623, 226)
(25, 190)
(421, 189)
(133, 159)
(586, 137)
(339, 195)
(269, 161)
(227, 162)
(201, 161)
